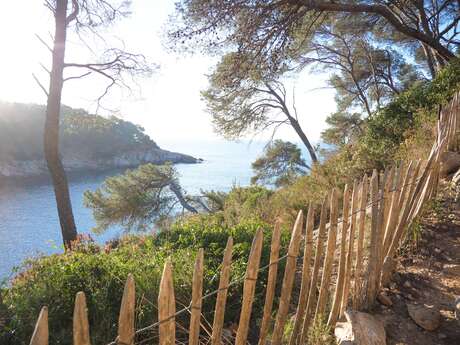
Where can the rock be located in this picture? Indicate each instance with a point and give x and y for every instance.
(360, 329)
(74, 163)
(384, 299)
(425, 316)
(450, 163)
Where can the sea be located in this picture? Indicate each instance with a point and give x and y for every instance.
(29, 225)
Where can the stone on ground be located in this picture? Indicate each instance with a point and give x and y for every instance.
(360, 329)
(384, 299)
(425, 316)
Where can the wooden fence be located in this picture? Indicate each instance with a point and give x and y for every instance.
(339, 270)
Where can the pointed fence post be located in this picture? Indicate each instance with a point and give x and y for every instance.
(359, 281)
(394, 211)
(305, 282)
(288, 280)
(197, 293)
(337, 302)
(221, 300)
(249, 288)
(321, 237)
(387, 199)
(388, 262)
(126, 318)
(167, 307)
(80, 321)
(329, 259)
(373, 250)
(350, 251)
(41, 332)
(411, 175)
(271, 282)
(383, 201)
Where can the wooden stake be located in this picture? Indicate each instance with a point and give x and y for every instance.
(249, 288)
(316, 266)
(271, 282)
(394, 211)
(197, 293)
(41, 332)
(329, 259)
(373, 250)
(126, 318)
(221, 300)
(80, 321)
(383, 201)
(337, 301)
(305, 282)
(167, 307)
(358, 283)
(288, 280)
(409, 187)
(350, 251)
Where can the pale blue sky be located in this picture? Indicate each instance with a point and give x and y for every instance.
(168, 104)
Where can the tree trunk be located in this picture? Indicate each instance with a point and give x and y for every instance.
(295, 124)
(51, 135)
(175, 188)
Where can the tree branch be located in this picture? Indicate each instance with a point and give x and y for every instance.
(40, 84)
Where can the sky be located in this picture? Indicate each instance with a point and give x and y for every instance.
(167, 104)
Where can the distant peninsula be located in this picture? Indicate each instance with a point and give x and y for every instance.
(88, 143)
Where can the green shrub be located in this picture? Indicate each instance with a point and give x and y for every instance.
(101, 273)
(389, 127)
(247, 203)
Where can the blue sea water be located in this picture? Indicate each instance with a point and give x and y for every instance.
(29, 224)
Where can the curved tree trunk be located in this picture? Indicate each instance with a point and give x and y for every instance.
(295, 124)
(175, 188)
(51, 135)
(293, 121)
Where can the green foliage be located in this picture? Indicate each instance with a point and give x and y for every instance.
(134, 199)
(343, 128)
(143, 196)
(101, 272)
(246, 203)
(215, 200)
(279, 165)
(320, 333)
(81, 134)
(409, 116)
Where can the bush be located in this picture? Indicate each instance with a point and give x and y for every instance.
(406, 115)
(101, 273)
(247, 203)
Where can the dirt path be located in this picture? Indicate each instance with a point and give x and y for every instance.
(429, 275)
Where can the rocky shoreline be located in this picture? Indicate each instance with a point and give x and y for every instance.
(38, 168)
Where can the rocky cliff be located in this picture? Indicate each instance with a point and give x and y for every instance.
(88, 142)
(37, 167)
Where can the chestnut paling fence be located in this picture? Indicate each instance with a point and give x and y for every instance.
(339, 270)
